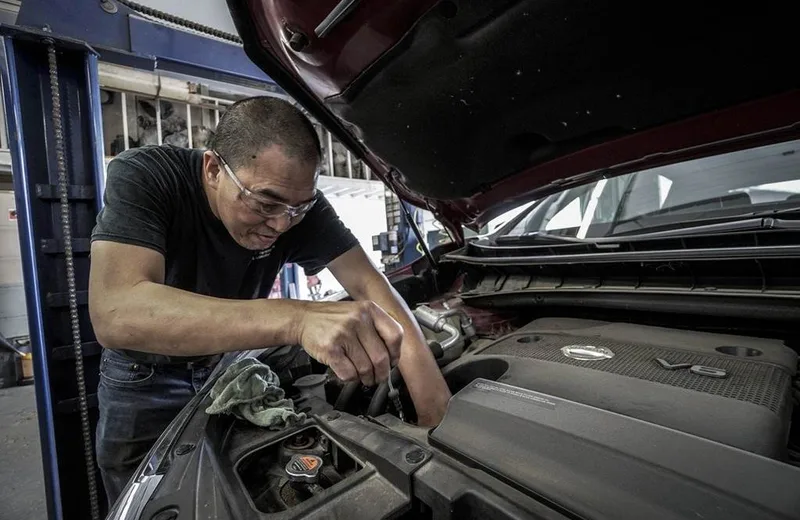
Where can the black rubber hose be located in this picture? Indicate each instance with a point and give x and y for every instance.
(378, 403)
(346, 395)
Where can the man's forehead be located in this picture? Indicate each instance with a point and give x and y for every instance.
(279, 177)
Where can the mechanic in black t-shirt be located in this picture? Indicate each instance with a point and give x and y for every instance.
(184, 254)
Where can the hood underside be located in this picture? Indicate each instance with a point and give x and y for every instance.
(468, 107)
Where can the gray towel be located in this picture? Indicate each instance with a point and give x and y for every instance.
(249, 390)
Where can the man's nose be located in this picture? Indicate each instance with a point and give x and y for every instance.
(280, 223)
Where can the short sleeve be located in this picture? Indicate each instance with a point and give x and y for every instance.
(136, 206)
(320, 238)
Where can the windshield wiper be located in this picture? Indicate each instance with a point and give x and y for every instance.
(538, 238)
(704, 217)
(685, 231)
(757, 221)
(747, 224)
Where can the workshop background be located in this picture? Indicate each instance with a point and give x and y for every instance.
(141, 107)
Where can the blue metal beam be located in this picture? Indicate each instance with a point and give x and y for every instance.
(30, 269)
(128, 39)
(26, 86)
(178, 50)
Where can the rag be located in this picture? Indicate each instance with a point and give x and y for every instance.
(249, 390)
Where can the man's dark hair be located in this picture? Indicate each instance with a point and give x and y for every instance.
(252, 124)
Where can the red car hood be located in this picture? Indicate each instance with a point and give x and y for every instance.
(469, 107)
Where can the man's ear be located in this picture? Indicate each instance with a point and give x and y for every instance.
(211, 169)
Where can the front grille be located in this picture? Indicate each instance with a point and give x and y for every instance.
(753, 382)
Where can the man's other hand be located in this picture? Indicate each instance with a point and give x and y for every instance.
(357, 340)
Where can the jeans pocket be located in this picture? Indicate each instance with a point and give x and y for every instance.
(116, 370)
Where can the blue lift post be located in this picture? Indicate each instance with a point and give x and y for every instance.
(125, 38)
(26, 85)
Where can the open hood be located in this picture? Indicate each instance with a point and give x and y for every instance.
(469, 107)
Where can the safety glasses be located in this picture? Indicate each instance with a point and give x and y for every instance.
(262, 204)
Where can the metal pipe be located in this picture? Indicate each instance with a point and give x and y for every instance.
(125, 131)
(466, 322)
(4, 343)
(189, 123)
(216, 114)
(205, 113)
(452, 338)
(158, 120)
(330, 156)
(367, 171)
(437, 322)
(144, 83)
(349, 165)
(95, 110)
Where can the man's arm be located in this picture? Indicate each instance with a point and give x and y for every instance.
(423, 378)
(131, 308)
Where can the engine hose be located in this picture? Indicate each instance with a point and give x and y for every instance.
(69, 260)
(346, 395)
(377, 404)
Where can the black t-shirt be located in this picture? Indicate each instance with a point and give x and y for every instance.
(154, 198)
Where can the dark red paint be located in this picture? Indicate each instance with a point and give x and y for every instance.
(328, 65)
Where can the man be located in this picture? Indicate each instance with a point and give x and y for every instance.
(184, 255)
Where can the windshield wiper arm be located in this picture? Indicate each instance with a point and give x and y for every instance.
(752, 222)
(537, 237)
(746, 224)
(733, 226)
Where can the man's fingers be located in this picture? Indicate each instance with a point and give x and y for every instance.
(343, 367)
(376, 350)
(389, 330)
(360, 359)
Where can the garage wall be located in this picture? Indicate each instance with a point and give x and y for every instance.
(365, 216)
(13, 315)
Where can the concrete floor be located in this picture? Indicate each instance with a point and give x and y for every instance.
(21, 482)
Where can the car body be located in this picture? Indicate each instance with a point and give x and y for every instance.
(624, 347)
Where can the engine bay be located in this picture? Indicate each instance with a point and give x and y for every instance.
(551, 417)
(703, 390)
(734, 389)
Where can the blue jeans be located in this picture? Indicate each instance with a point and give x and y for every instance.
(137, 402)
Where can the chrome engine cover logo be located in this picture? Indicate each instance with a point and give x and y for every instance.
(587, 352)
(700, 370)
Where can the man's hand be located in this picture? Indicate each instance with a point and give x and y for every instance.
(358, 340)
(419, 369)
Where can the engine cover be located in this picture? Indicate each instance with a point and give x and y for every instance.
(730, 389)
(593, 463)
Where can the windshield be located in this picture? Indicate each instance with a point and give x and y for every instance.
(738, 183)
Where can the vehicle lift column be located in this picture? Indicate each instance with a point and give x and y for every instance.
(58, 179)
(126, 34)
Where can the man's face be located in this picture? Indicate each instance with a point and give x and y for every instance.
(270, 176)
